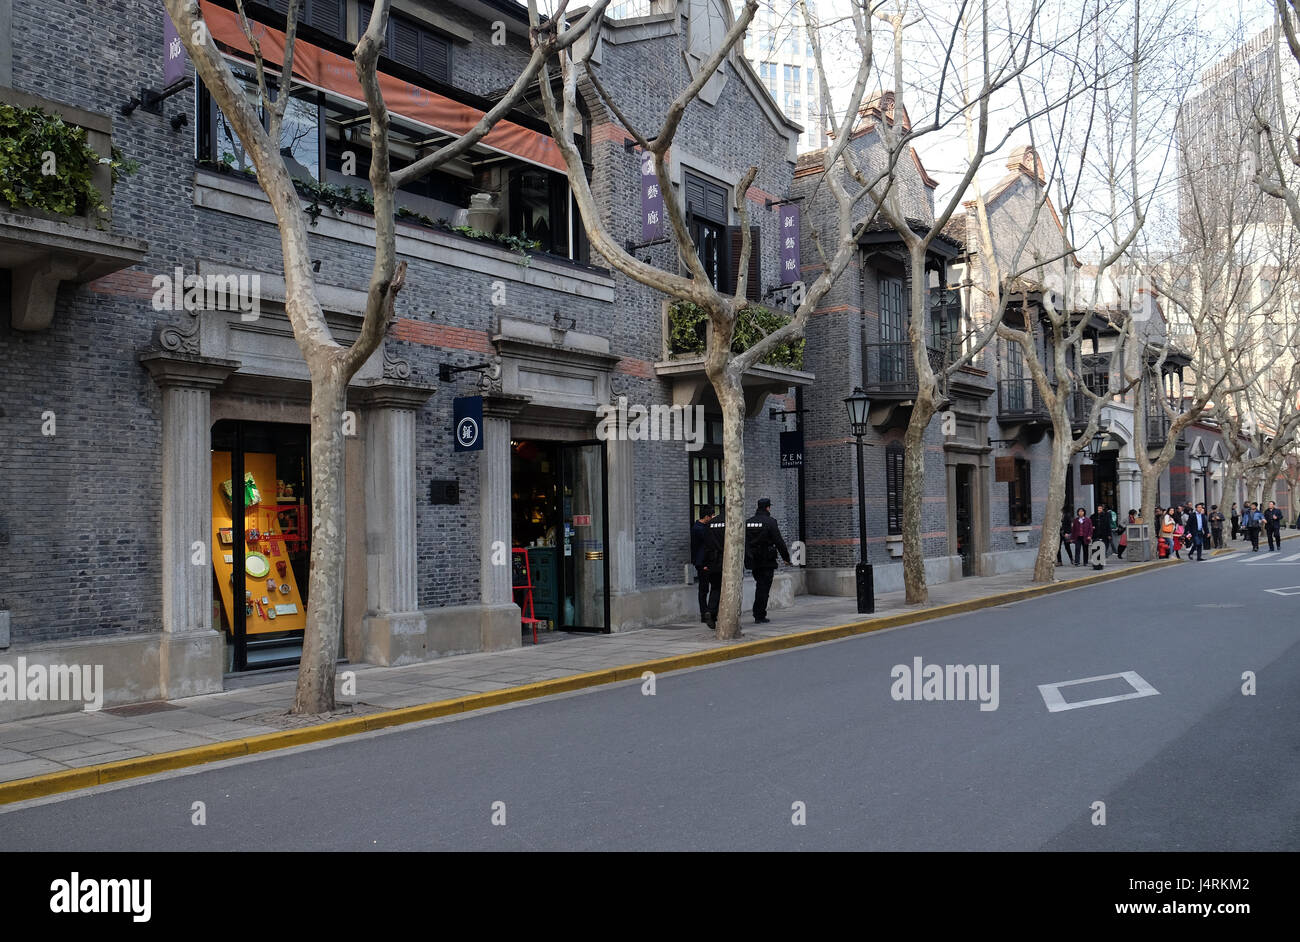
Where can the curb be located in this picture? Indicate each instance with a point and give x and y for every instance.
(53, 783)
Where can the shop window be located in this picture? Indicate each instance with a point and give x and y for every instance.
(894, 488)
(299, 131)
(540, 208)
(1019, 501)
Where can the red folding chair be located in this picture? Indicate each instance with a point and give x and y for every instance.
(528, 614)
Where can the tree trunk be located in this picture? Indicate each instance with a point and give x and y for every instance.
(913, 501)
(731, 396)
(315, 693)
(1150, 477)
(1049, 544)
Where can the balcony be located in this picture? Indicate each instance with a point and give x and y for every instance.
(888, 371)
(65, 237)
(1158, 425)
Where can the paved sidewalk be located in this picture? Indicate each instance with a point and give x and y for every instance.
(42, 746)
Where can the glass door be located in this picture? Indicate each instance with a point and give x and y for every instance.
(584, 519)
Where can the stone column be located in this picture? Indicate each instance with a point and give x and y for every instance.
(394, 632)
(191, 659)
(622, 517)
(499, 625)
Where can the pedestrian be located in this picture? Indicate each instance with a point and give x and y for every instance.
(1251, 521)
(1168, 528)
(1236, 530)
(1080, 535)
(1123, 533)
(762, 544)
(706, 555)
(1065, 539)
(1273, 526)
(1216, 526)
(1101, 527)
(1200, 530)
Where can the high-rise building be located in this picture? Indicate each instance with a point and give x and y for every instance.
(778, 45)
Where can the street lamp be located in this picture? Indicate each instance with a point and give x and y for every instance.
(858, 405)
(1203, 465)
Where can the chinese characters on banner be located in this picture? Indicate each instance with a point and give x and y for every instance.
(173, 53)
(789, 244)
(652, 201)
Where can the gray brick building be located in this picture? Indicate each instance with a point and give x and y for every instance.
(112, 546)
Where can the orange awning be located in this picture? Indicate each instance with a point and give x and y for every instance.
(336, 73)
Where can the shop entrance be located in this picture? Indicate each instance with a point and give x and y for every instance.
(559, 533)
(260, 540)
(1106, 480)
(964, 512)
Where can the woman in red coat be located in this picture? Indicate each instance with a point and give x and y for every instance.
(1081, 534)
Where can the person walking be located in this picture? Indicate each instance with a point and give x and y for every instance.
(1235, 519)
(1251, 521)
(1216, 526)
(1168, 528)
(1273, 526)
(1200, 529)
(706, 556)
(1123, 533)
(1101, 528)
(762, 544)
(1065, 540)
(1080, 535)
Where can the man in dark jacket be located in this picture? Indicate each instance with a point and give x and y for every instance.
(1216, 526)
(1273, 526)
(1251, 521)
(1199, 528)
(1101, 527)
(762, 543)
(706, 556)
(1236, 521)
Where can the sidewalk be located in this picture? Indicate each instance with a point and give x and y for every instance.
(51, 754)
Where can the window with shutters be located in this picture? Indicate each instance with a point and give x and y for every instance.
(706, 214)
(328, 16)
(894, 347)
(1020, 505)
(894, 488)
(412, 45)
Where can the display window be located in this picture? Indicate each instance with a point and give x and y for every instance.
(260, 540)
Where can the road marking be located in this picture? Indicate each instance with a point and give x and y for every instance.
(1056, 703)
(1286, 590)
(1295, 557)
(1220, 559)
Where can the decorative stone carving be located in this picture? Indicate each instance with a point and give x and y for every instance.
(180, 338)
(394, 366)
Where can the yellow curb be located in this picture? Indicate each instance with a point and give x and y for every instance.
(53, 783)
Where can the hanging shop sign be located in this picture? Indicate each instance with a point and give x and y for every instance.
(1004, 469)
(789, 243)
(173, 53)
(792, 449)
(467, 422)
(652, 201)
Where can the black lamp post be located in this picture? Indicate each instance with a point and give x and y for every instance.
(1203, 465)
(858, 405)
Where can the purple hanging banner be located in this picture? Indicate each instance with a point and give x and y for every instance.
(173, 53)
(652, 201)
(789, 243)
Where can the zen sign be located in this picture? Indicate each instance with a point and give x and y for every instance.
(792, 449)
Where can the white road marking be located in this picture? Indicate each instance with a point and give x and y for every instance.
(1220, 559)
(1286, 590)
(1294, 557)
(1056, 703)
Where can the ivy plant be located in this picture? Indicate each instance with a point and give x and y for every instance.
(48, 164)
(688, 326)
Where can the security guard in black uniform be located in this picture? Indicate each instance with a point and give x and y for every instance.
(762, 543)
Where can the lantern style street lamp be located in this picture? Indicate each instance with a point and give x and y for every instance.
(1203, 465)
(858, 405)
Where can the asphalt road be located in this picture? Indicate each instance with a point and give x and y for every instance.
(719, 756)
